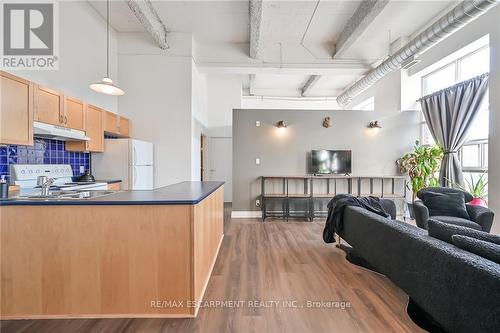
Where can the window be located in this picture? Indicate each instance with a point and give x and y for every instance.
(474, 156)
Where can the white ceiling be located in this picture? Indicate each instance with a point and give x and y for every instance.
(305, 30)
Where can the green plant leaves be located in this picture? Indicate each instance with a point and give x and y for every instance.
(422, 164)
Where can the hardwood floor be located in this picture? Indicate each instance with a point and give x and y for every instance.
(271, 261)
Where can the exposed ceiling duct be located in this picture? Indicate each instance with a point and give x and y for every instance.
(150, 20)
(462, 14)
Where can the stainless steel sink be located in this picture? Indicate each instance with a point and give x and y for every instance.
(65, 195)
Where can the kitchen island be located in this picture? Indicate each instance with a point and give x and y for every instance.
(129, 254)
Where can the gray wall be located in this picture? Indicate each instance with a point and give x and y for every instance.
(285, 153)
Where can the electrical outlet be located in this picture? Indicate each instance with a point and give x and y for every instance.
(257, 161)
(82, 169)
(257, 203)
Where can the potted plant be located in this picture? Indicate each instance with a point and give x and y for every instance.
(477, 189)
(421, 164)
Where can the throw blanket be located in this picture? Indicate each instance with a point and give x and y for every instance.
(336, 207)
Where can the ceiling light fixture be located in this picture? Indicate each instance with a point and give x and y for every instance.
(106, 86)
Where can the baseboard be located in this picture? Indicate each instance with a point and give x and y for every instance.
(246, 214)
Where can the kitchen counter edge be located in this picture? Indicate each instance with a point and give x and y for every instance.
(184, 193)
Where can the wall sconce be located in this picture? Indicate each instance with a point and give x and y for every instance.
(327, 122)
(281, 124)
(374, 124)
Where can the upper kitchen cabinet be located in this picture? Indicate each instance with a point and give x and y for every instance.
(94, 129)
(116, 125)
(16, 110)
(74, 113)
(110, 122)
(49, 106)
(124, 127)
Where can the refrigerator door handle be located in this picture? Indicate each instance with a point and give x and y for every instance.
(135, 156)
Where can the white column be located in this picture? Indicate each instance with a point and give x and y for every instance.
(494, 139)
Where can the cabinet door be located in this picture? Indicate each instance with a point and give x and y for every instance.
(74, 113)
(16, 110)
(94, 129)
(124, 127)
(48, 106)
(110, 122)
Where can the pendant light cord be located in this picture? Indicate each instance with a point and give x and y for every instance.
(107, 38)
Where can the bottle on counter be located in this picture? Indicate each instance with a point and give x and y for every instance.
(4, 188)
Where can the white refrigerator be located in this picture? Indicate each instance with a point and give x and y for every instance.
(128, 160)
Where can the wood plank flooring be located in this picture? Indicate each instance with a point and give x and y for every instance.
(272, 261)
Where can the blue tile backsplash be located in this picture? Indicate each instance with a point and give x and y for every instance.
(44, 151)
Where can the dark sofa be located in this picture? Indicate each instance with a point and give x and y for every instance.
(458, 289)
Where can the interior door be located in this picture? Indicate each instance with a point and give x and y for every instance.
(221, 163)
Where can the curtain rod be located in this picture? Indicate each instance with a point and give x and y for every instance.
(454, 86)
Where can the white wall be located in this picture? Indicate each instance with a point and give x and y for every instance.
(224, 95)
(82, 55)
(158, 102)
(494, 139)
(199, 100)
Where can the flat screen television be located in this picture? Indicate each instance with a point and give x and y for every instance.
(331, 161)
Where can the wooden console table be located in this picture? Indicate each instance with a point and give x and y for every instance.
(310, 190)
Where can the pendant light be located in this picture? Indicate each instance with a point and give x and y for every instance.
(106, 86)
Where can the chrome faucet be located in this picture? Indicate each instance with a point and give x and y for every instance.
(45, 182)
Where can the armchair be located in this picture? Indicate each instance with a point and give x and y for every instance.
(481, 218)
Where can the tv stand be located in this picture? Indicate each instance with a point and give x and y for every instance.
(311, 191)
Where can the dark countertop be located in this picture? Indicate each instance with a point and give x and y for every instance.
(185, 193)
(112, 181)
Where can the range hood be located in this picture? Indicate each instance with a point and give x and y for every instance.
(42, 130)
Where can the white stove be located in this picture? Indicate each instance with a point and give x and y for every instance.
(25, 175)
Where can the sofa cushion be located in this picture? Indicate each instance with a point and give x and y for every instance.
(458, 221)
(446, 204)
(426, 190)
(444, 231)
(483, 249)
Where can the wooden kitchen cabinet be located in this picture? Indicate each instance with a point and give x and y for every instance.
(116, 125)
(110, 122)
(115, 186)
(16, 110)
(124, 127)
(48, 106)
(74, 113)
(94, 129)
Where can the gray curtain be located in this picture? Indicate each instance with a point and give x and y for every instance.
(449, 114)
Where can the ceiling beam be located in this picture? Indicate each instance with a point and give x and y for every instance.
(313, 79)
(334, 68)
(251, 85)
(366, 12)
(150, 20)
(256, 29)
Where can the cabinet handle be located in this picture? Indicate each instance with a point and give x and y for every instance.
(65, 119)
(61, 118)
